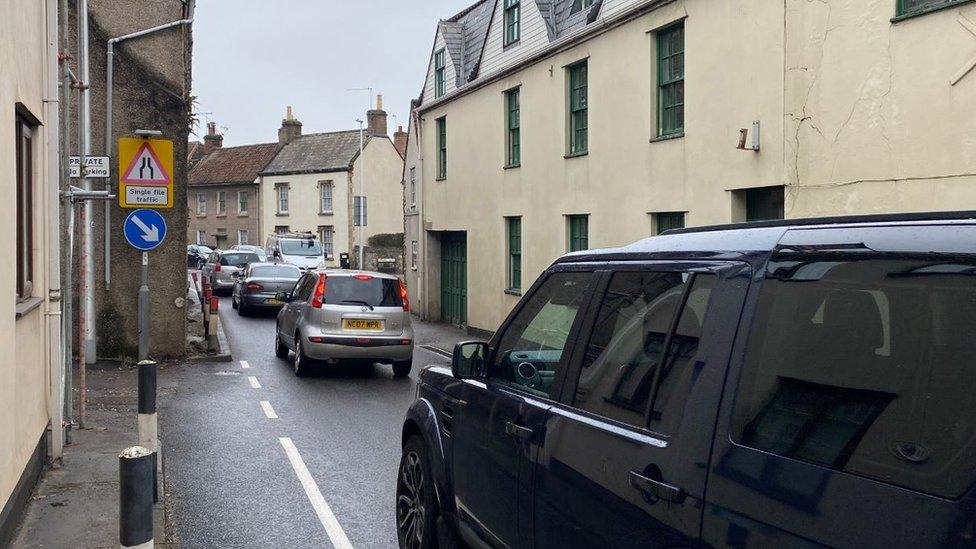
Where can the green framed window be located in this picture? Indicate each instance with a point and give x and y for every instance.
(671, 80)
(665, 221)
(579, 5)
(578, 108)
(442, 148)
(907, 8)
(513, 21)
(439, 68)
(579, 232)
(513, 229)
(513, 127)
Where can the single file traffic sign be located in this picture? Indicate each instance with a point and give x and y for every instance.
(145, 173)
(145, 229)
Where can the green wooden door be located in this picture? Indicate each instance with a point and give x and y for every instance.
(454, 278)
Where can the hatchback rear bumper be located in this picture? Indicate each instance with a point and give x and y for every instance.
(379, 349)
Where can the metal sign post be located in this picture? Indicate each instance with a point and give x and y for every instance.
(144, 230)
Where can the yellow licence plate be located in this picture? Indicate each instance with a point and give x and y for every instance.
(369, 325)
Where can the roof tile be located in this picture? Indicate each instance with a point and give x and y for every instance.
(233, 164)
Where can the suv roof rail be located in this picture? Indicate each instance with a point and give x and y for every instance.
(834, 220)
(296, 234)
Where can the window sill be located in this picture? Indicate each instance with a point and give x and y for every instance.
(200, 215)
(24, 307)
(576, 154)
(512, 166)
(668, 137)
(244, 214)
(511, 44)
(281, 214)
(926, 11)
(326, 213)
(413, 268)
(513, 291)
(221, 216)
(440, 179)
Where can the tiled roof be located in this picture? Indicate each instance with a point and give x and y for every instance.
(316, 153)
(233, 164)
(194, 152)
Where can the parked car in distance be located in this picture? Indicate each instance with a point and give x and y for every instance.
(262, 255)
(334, 315)
(258, 284)
(222, 266)
(300, 249)
(196, 255)
(776, 384)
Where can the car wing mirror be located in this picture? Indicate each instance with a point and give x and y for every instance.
(470, 360)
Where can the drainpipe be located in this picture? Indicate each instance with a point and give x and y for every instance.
(86, 332)
(67, 297)
(53, 319)
(109, 141)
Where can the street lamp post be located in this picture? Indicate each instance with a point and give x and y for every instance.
(362, 197)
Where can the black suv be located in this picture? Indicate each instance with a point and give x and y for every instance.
(800, 383)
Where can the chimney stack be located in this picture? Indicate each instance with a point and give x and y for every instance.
(376, 119)
(400, 141)
(290, 128)
(212, 140)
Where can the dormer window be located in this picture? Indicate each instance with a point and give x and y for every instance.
(513, 25)
(439, 64)
(579, 5)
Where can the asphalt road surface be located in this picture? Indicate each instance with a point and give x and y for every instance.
(257, 457)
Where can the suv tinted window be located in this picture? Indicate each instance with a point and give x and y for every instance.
(628, 342)
(532, 350)
(300, 247)
(866, 366)
(362, 290)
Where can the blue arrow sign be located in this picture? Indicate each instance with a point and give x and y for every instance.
(145, 229)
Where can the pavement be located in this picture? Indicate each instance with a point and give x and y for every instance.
(257, 457)
(77, 505)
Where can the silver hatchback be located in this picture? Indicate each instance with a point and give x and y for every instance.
(334, 315)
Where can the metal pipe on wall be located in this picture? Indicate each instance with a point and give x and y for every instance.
(86, 349)
(54, 173)
(67, 297)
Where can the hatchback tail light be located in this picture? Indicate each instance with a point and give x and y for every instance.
(217, 267)
(403, 295)
(318, 298)
(255, 287)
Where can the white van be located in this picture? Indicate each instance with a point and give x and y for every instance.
(302, 250)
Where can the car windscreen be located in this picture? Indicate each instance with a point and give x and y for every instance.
(238, 259)
(300, 247)
(276, 271)
(362, 290)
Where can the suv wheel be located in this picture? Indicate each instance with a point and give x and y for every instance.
(280, 350)
(416, 510)
(402, 369)
(302, 362)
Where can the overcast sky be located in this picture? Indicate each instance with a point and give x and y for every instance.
(251, 58)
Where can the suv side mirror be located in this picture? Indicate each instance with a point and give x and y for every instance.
(470, 360)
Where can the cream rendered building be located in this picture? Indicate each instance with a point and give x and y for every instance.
(313, 183)
(626, 116)
(30, 336)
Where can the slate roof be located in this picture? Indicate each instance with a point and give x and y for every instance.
(317, 153)
(465, 35)
(233, 165)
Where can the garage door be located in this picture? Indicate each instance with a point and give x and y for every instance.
(454, 278)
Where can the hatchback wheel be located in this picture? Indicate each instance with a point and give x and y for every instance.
(241, 309)
(416, 510)
(302, 362)
(233, 302)
(402, 369)
(280, 350)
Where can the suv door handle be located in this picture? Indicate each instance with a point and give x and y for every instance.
(655, 490)
(517, 432)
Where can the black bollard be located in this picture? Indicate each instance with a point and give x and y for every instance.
(136, 497)
(148, 422)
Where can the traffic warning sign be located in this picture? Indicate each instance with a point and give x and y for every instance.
(146, 173)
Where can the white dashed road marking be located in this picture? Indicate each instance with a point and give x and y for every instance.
(254, 382)
(268, 410)
(322, 509)
(245, 365)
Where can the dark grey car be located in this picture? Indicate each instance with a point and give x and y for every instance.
(257, 284)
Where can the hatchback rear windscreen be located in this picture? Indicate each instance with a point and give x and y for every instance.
(238, 260)
(369, 291)
(866, 366)
(276, 272)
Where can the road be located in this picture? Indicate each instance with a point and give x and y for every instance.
(236, 475)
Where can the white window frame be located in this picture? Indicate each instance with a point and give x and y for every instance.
(413, 186)
(201, 203)
(328, 244)
(414, 253)
(242, 205)
(323, 195)
(242, 237)
(202, 237)
(282, 198)
(221, 202)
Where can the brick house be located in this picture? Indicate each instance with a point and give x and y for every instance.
(223, 202)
